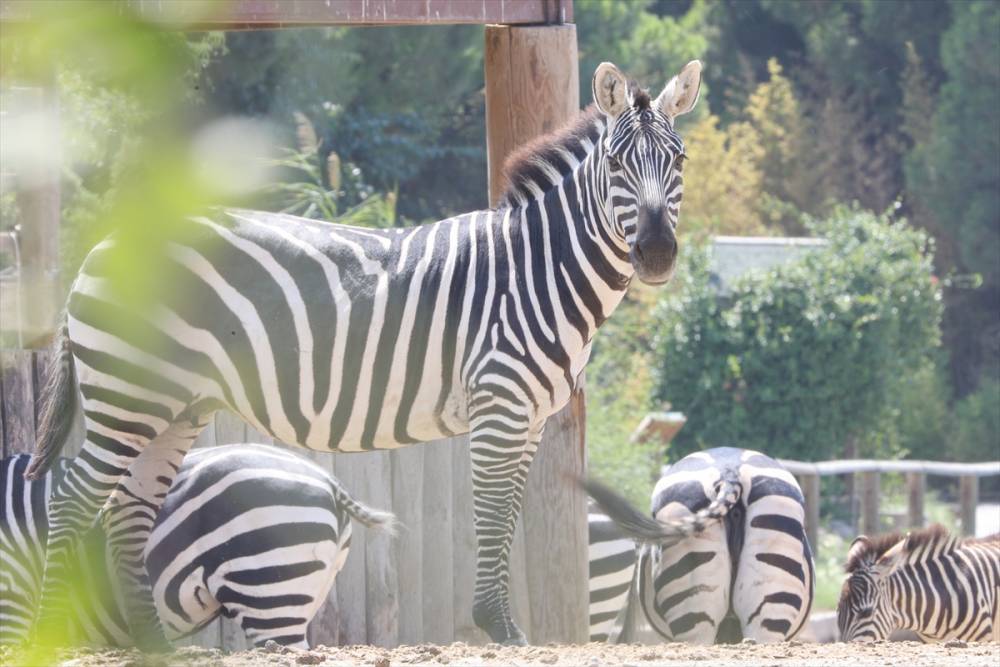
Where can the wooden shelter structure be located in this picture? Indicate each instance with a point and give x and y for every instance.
(417, 587)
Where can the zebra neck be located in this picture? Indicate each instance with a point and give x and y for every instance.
(581, 248)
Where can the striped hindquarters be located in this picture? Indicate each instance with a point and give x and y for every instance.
(611, 558)
(251, 531)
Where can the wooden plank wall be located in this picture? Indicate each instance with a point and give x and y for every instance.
(417, 586)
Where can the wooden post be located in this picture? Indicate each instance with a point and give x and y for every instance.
(810, 491)
(869, 503)
(37, 195)
(916, 486)
(968, 498)
(532, 88)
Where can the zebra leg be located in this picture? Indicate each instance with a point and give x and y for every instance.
(112, 444)
(128, 520)
(500, 463)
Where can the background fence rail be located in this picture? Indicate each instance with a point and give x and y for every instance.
(868, 483)
(418, 586)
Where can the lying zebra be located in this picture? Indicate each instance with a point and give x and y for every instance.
(249, 531)
(927, 581)
(725, 555)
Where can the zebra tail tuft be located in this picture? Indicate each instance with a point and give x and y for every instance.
(645, 528)
(367, 516)
(631, 521)
(58, 409)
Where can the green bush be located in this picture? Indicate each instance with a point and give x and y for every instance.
(976, 424)
(800, 359)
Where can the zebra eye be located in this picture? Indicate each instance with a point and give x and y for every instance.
(613, 162)
(679, 161)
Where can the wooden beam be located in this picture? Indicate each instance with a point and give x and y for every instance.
(869, 490)
(532, 88)
(266, 14)
(968, 499)
(916, 487)
(811, 492)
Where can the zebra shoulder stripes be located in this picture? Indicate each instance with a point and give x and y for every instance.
(928, 581)
(346, 339)
(248, 531)
(724, 554)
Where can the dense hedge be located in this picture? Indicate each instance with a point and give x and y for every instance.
(798, 360)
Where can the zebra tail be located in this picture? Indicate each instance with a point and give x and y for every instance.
(58, 409)
(368, 516)
(644, 528)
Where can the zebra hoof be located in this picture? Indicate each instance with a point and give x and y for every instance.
(499, 626)
(153, 641)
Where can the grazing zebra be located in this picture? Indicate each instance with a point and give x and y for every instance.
(927, 581)
(725, 554)
(346, 339)
(249, 531)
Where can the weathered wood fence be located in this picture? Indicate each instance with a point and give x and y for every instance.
(415, 587)
(867, 485)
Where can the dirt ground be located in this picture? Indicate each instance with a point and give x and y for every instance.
(909, 654)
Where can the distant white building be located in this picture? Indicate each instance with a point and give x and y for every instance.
(733, 256)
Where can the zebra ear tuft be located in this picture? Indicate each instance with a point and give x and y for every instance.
(680, 95)
(891, 559)
(610, 87)
(859, 553)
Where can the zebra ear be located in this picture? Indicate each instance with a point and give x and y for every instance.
(610, 88)
(681, 93)
(859, 548)
(891, 559)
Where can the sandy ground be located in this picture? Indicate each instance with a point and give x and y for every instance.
(909, 654)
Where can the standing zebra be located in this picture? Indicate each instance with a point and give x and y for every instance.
(249, 531)
(725, 554)
(344, 339)
(928, 581)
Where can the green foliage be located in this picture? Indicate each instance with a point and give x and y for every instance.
(956, 165)
(401, 104)
(649, 47)
(976, 424)
(619, 386)
(801, 358)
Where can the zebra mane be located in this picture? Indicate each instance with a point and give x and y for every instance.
(547, 160)
(917, 543)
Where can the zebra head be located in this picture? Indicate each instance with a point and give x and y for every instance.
(640, 161)
(865, 610)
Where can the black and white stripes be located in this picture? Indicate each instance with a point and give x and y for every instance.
(346, 339)
(928, 581)
(249, 531)
(724, 555)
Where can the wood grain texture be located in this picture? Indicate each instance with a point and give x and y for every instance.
(968, 498)
(407, 495)
(869, 497)
(351, 588)
(532, 88)
(437, 551)
(811, 492)
(261, 14)
(555, 529)
(381, 573)
(18, 380)
(463, 535)
(916, 486)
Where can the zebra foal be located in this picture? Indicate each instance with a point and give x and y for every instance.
(928, 581)
(251, 532)
(345, 339)
(724, 555)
